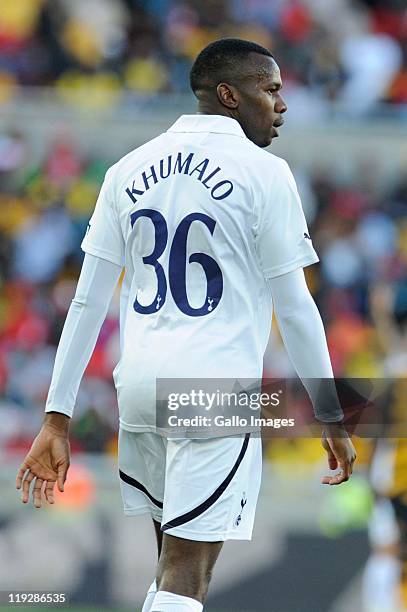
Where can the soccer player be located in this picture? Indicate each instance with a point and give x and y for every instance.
(210, 230)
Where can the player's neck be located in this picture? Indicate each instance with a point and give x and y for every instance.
(207, 108)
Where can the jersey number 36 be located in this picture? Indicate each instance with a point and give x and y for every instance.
(177, 265)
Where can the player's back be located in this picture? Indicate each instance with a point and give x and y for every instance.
(189, 205)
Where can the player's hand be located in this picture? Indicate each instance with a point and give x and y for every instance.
(46, 463)
(341, 453)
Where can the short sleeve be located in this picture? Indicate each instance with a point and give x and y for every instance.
(104, 236)
(283, 240)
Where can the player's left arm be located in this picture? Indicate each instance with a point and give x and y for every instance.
(304, 337)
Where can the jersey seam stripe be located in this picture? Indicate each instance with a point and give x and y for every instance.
(193, 514)
(137, 485)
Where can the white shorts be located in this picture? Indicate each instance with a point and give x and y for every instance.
(203, 490)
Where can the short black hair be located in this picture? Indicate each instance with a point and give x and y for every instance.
(221, 61)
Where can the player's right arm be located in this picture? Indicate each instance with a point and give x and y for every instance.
(47, 461)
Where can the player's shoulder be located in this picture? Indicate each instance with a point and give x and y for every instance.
(269, 160)
(266, 165)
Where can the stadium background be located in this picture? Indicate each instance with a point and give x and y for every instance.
(82, 83)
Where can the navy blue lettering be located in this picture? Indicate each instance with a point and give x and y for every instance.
(223, 195)
(177, 268)
(186, 163)
(182, 165)
(133, 191)
(200, 169)
(208, 178)
(161, 237)
(162, 175)
(177, 265)
(153, 175)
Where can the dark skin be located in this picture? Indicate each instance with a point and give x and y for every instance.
(253, 98)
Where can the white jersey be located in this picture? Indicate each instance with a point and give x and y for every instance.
(200, 217)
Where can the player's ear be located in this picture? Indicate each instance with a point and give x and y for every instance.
(227, 95)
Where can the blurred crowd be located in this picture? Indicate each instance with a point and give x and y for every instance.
(346, 54)
(359, 230)
(353, 52)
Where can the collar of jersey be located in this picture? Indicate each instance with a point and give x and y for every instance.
(217, 124)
